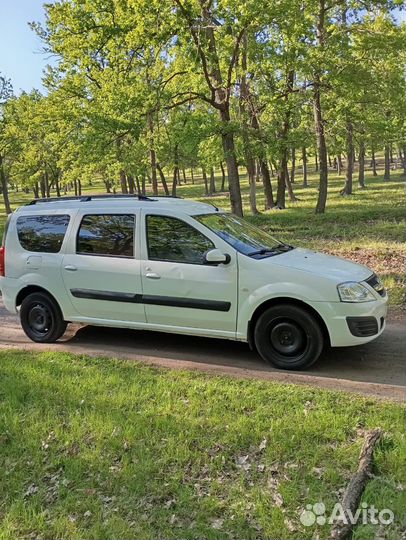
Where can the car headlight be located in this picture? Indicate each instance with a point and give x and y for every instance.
(351, 291)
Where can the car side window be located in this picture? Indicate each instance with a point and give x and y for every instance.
(109, 235)
(42, 234)
(171, 239)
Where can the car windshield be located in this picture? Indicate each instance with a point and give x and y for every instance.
(243, 236)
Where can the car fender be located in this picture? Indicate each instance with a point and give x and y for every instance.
(35, 279)
(282, 290)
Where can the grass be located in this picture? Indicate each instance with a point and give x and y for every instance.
(367, 227)
(102, 448)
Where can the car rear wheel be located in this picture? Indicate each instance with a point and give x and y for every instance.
(288, 337)
(41, 318)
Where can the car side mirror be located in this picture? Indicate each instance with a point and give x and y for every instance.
(215, 256)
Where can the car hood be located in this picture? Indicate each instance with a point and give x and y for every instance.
(323, 265)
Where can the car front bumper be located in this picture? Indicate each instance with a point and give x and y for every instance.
(345, 320)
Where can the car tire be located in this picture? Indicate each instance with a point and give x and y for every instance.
(41, 318)
(288, 337)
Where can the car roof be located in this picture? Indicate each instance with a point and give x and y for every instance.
(117, 202)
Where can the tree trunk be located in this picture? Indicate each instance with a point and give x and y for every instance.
(163, 179)
(143, 190)
(304, 166)
(361, 165)
(79, 188)
(175, 180)
(206, 185)
(192, 175)
(220, 99)
(404, 160)
(75, 185)
(283, 177)
(42, 187)
(252, 184)
(46, 182)
(176, 177)
(293, 169)
(247, 114)
(223, 177)
(57, 187)
(253, 188)
(35, 189)
(137, 183)
(316, 161)
(373, 162)
(108, 186)
(152, 156)
(212, 182)
(340, 164)
(4, 187)
(266, 181)
(184, 175)
(329, 161)
(347, 189)
(280, 195)
(319, 125)
(227, 137)
(386, 175)
(288, 181)
(123, 182)
(265, 173)
(131, 184)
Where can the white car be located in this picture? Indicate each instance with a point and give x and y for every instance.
(175, 265)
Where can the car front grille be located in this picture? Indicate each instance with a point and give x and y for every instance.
(374, 282)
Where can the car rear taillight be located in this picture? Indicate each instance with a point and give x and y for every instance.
(2, 261)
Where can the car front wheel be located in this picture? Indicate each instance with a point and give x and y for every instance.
(41, 318)
(288, 337)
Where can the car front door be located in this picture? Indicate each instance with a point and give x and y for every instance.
(101, 269)
(180, 290)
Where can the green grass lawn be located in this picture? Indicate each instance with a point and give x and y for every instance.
(367, 227)
(101, 448)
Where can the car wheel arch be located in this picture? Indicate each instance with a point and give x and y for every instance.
(284, 300)
(29, 289)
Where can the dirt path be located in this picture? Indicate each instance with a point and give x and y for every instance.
(376, 369)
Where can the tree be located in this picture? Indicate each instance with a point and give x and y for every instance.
(6, 92)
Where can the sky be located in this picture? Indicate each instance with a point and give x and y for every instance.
(20, 57)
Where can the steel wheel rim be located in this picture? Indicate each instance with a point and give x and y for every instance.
(39, 319)
(288, 339)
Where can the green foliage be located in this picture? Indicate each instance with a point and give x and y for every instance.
(142, 81)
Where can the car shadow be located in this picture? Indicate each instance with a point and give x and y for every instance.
(380, 361)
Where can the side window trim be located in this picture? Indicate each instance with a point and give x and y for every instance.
(110, 256)
(168, 216)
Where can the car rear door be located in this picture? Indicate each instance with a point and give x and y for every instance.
(179, 289)
(101, 268)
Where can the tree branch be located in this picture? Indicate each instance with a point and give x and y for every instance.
(234, 59)
(196, 40)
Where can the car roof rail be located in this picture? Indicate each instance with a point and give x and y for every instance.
(87, 198)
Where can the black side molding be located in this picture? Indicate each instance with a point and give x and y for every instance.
(173, 301)
(107, 295)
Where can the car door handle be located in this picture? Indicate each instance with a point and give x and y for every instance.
(70, 268)
(152, 275)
